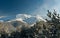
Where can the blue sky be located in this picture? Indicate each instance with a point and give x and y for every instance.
(13, 7)
(33, 7)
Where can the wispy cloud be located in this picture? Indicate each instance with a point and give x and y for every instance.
(2, 16)
(48, 5)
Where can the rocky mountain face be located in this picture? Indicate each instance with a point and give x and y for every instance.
(9, 27)
(6, 27)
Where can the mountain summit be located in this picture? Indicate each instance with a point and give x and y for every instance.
(30, 19)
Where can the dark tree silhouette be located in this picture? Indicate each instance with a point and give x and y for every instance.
(54, 22)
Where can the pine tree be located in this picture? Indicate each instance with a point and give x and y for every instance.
(54, 21)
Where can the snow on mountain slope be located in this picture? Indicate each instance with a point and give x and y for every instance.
(29, 18)
(25, 18)
(39, 18)
(21, 20)
(22, 16)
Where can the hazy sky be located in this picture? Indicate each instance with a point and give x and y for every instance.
(33, 7)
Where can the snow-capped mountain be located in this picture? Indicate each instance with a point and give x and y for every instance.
(21, 20)
(25, 18)
(29, 18)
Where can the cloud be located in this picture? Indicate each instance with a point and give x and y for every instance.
(57, 6)
(1, 19)
(2, 16)
(48, 5)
